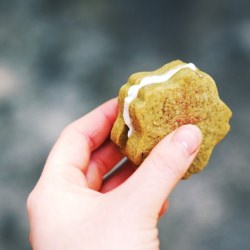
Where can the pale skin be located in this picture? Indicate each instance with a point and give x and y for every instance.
(74, 207)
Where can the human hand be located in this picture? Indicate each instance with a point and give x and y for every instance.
(71, 207)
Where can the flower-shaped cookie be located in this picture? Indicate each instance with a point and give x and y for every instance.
(152, 104)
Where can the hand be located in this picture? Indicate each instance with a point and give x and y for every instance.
(71, 206)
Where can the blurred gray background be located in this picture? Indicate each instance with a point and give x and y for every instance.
(60, 59)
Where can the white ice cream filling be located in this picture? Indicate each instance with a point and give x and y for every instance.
(148, 80)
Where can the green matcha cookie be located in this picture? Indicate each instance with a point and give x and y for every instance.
(152, 104)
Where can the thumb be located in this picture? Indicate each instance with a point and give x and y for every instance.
(154, 180)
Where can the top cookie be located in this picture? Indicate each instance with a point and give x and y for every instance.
(152, 104)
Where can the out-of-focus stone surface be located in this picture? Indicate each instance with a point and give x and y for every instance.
(59, 59)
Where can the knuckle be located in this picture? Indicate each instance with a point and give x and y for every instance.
(30, 202)
(34, 200)
(174, 167)
(170, 163)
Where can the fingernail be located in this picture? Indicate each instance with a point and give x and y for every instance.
(189, 137)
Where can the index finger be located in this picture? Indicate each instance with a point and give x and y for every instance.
(77, 141)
